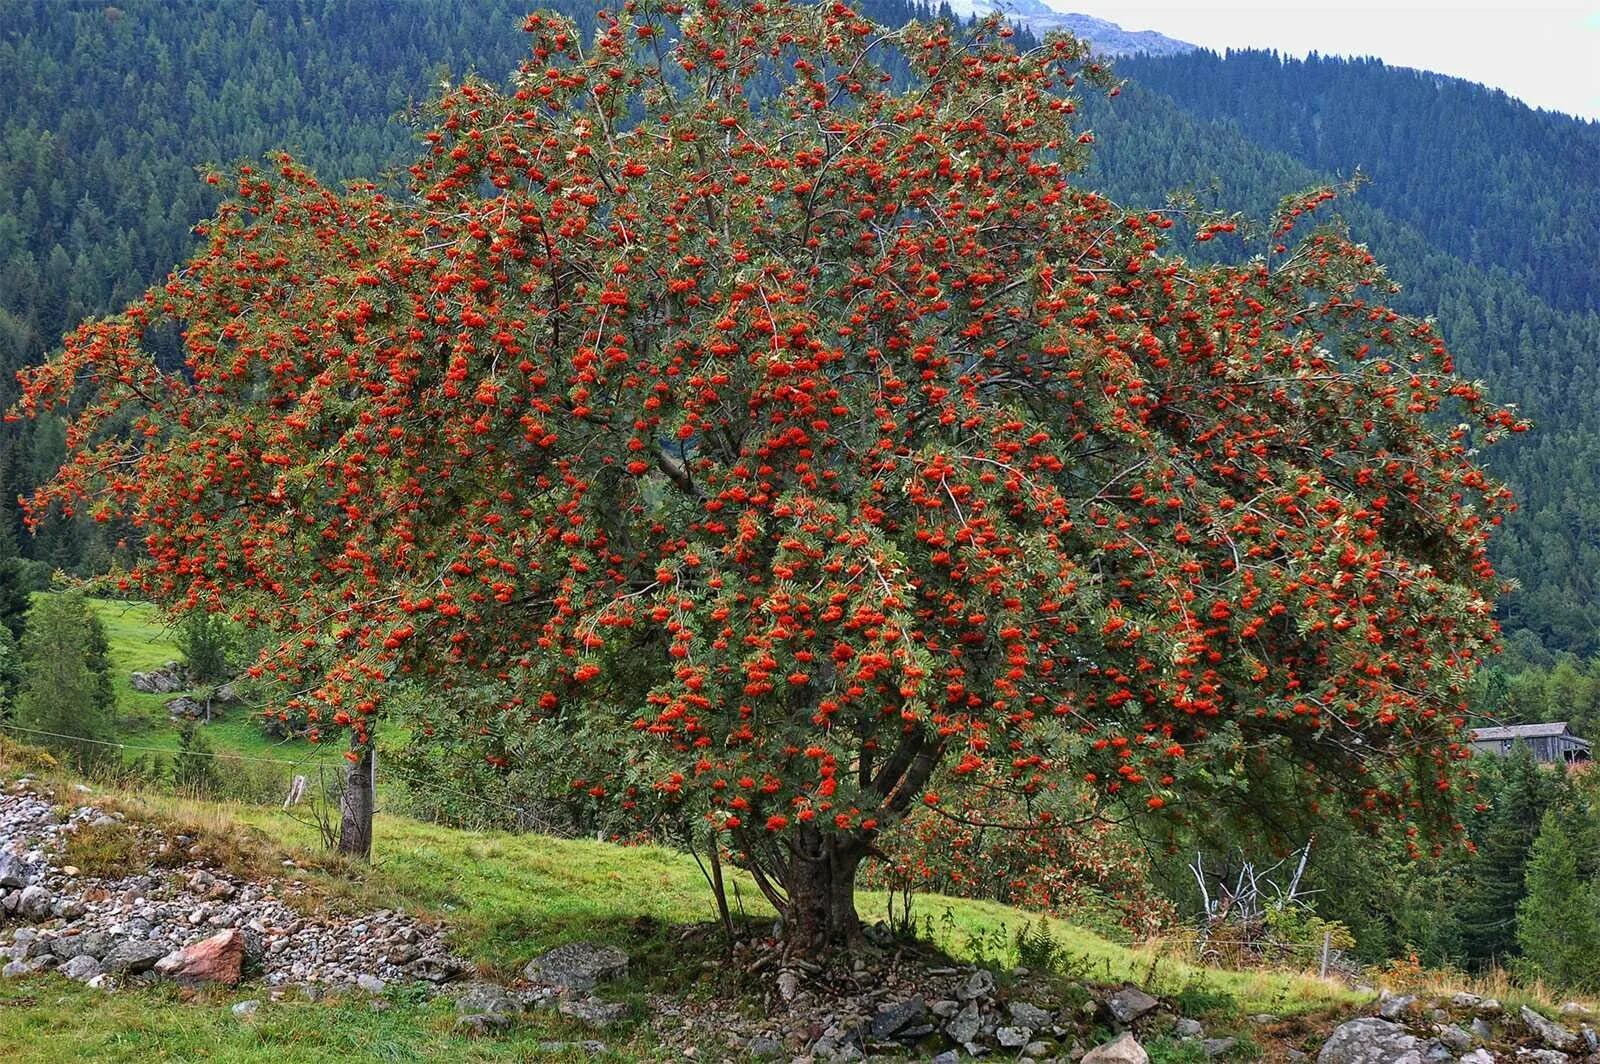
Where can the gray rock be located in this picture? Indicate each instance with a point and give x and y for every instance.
(18, 969)
(1464, 1000)
(949, 1056)
(577, 966)
(1549, 1031)
(482, 1023)
(1395, 1006)
(1488, 1007)
(14, 872)
(1455, 1038)
(245, 1009)
(593, 1011)
(1028, 1015)
(1184, 1027)
(486, 997)
(34, 902)
(963, 1026)
(589, 1046)
(1543, 1056)
(81, 968)
(896, 1020)
(1481, 1029)
(1476, 1056)
(1124, 1050)
(1130, 1003)
(979, 984)
(163, 681)
(1013, 1037)
(1371, 1041)
(95, 944)
(1438, 1053)
(763, 1047)
(132, 956)
(371, 984)
(1217, 1047)
(185, 707)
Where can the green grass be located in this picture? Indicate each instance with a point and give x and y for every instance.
(53, 1021)
(504, 898)
(509, 897)
(140, 641)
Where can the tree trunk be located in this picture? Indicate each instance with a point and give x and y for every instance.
(355, 805)
(821, 885)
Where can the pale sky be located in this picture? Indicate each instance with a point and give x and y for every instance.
(1546, 54)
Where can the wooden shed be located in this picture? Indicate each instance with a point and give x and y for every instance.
(1551, 743)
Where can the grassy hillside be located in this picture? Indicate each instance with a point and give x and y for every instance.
(141, 641)
(505, 898)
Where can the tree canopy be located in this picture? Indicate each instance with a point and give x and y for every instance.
(784, 465)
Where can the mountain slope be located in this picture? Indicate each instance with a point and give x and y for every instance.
(1108, 38)
(1533, 351)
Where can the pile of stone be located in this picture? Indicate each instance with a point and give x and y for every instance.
(1464, 1028)
(564, 980)
(896, 1000)
(188, 922)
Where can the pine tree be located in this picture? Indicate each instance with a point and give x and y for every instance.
(194, 769)
(1558, 925)
(13, 584)
(1521, 794)
(10, 672)
(66, 685)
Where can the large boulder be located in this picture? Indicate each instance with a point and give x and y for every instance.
(1549, 1031)
(577, 966)
(163, 681)
(1372, 1041)
(218, 959)
(185, 708)
(1124, 1050)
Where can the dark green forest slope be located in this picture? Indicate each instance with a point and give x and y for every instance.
(1484, 208)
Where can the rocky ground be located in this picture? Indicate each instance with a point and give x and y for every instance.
(181, 917)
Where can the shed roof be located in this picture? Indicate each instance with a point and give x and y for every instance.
(1527, 731)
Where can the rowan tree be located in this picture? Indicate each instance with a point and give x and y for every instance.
(775, 458)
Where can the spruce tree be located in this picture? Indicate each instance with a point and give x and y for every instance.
(1520, 793)
(13, 584)
(1558, 927)
(194, 769)
(67, 698)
